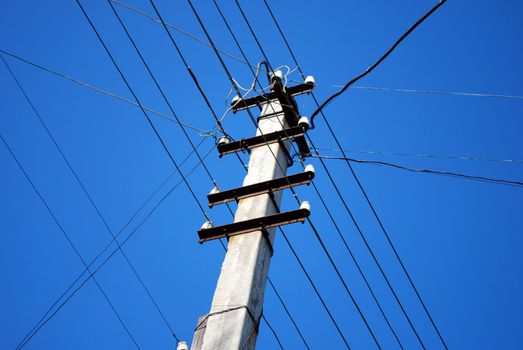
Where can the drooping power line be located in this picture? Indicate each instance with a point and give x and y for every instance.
(428, 171)
(377, 63)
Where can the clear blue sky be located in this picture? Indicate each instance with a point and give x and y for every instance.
(460, 239)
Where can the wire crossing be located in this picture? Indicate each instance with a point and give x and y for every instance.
(91, 201)
(71, 244)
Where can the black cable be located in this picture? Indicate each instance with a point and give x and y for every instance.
(375, 64)
(162, 142)
(363, 190)
(424, 155)
(428, 171)
(104, 221)
(71, 244)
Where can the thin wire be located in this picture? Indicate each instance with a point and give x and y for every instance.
(55, 219)
(178, 29)
(105, 92)
(135, 214)
(160, 139)
(88, 196)
(228, 54)
(422, 155)
(361, 187)
(273, 332)
(131, 234)
(428, 171)
(430, 92)
(375, 64)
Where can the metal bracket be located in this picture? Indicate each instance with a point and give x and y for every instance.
(251, 225)
(260, 188)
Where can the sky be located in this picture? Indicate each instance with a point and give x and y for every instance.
(458, 238)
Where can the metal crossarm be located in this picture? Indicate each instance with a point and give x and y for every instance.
(299, 89)
(261, 140)
(260, 188)
(257, 224)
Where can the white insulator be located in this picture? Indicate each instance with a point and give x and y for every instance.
(182, 346)
(236, 99)
(206, 225)
(277, 75)
(224, 140)
(215, 190)
(310, 80)
(304, 122)
(306, 205)
(309, 168)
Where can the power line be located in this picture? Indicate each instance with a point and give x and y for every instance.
(366, 198)
(375, 64)
(105, 92)
(108, 245)
(428, 171)
(153, 127)
(46, 319)
(430, 92)
(150, 123)
(84, 189)
(71, 244)
(422, 155)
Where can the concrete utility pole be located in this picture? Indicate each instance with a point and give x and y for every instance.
(233, 320)
(236, 311)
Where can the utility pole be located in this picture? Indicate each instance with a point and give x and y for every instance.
(236, 310)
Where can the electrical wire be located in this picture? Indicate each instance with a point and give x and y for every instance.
(375, 64)
(339, 193)
(71, 244)
(430, 92)
(422, 155)
(428, 171)
(113, 252)
(104, 221)
(151, 124)
(105, 92)
(353, 173)
(228, 54)
(108, 245)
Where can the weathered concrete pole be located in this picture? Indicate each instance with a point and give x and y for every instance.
(235, 314)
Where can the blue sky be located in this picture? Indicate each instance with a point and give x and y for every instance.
(459, 239)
